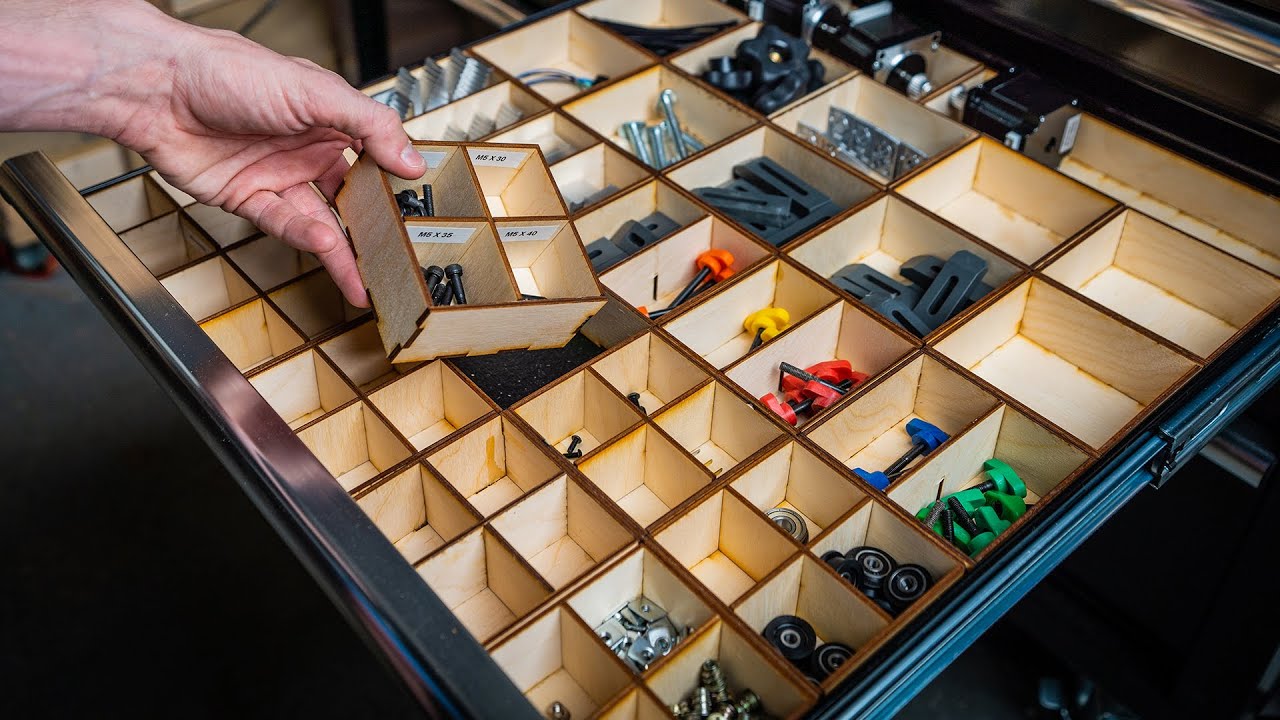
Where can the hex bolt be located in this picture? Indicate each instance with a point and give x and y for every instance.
(454, 273)
(657, 136)
(433, 274)
(572, 452)
(667, 99)
(962, 516)
(633, 132)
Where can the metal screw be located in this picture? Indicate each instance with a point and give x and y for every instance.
(632, 131)
(572, 452)
(433, 274)
(692, 143)
(557, 711)
(657, 136)
(454, 273)
(935, 512)
(962, 516)
(667, 99)
(428, 201)
(635, 400)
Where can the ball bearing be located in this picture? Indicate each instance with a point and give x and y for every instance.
(828, 658)
(791, 523)
(792, 636)
(907, 584)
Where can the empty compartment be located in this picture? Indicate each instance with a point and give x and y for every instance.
(1088, 373)
(715, 328)
(651, 369)
(561, 531)
(547, 260)
(208, 288)
(314, 303)
(662, 13)
(817, 190)
(132, 203)
(657, 275)
(1198, 201)
(608, 231)
(454, 193)
(703, 114)
(417, 511)
(745, 667)
(694, 60)
(302, 388)
(167, 242)
(477, 115)
(567, 43)
(492, 465)
(595, 175)
(646, 474)
(915, 135)
(1007, 199)
(474, 247)
(555, 658)
(871, 431)
(726, 544)
(359, 355)
(794, 478)
(269, 262)
(806, 588)
(639, 704)
(222, 227)
(429, 404)
(484, 583)
(1043, 460)
(885, 236)
(515, 181)
(354, 445)
(840, 331)
(556, 135)
(718, 428)
(581, 406)
(1166, 281)
(251, 334)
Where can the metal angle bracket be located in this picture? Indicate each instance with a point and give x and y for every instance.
(867, 146)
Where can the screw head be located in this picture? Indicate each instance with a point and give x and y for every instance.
(453, 270)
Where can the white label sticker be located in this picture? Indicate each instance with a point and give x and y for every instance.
(433, 158)
(1069, 135)
(438, 234)
(497, 157)
(528, 232)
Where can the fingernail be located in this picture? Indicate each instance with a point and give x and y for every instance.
(411, 158)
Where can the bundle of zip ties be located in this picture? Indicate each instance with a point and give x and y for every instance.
(665, 40)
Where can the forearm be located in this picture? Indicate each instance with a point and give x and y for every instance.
(84, 66)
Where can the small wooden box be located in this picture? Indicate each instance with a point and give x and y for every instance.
(499, 216)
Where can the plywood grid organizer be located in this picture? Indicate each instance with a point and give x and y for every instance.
(1116, 278)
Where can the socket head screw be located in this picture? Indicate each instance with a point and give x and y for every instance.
(635, 400)
(557, 711)
(433, 274)
(633, 131)
(657, 138)
(454, 273)
(428, 201)
(572, 452)
(409, 204)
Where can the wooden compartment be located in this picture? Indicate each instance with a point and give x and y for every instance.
(221, 226)
(940, 102)
(745, 666)
(359, 356)
(870, 431)
(715, 167)
(251, 334)
(484, 583)
(705, 116)
(662, 13)
(726, 543)
(581, 405)
(639, 704)
(556, 135)
(417, 511)
(652, 197)
(718, 428)
(474, 245)
(167, 242)
(840, 331)
(907, 541)
(208, 287)
(650, 367)
(547, 259)
(1196, 200)
(561, 531)
(928, 133)
(486, 112)
(353, 444)
(584, 177)
(795, 478)
(1084, 371)
(946, 66)
(1166, 281)
(492, 465)
(888, 233)
(430, 403)
(555, 657)
(652, 278)
(567, 42)
(646, 474)
(269, 262)
(515, 181)
(693, 60)
(132, 203)
(714, 327)
(838, 612)
(302, 387)
(314, 303)
(1045, 461)
(1007, 199)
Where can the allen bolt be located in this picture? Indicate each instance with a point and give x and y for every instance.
(454, 273)
(442, 294)
(428, 201)
(433, 274)
(635, 400)
(572, 452)
(667, 99)
(632, 131)
(409, 204)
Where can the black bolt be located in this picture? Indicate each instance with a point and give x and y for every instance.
(962, 516)
(433, 274)
(428, 201)
(935, 512)
(692, 288)
(635, 400)
(442, 295)
(572, 452)
(790, 369)
(758, 340)
(918, 448)
(454, 273)
(409, 204)
(948, 530)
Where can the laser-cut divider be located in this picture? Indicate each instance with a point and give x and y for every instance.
(650, 368)
(493, 464)
(417, 511)
(302, 388)
(429, 404)
(208, 288)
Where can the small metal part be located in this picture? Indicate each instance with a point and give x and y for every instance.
(792, 636)
(867, 146)
(557, 711)
(935, 512)
(791, 523)
(473, 78)
(702, 701)
(442, 295)
(407, 85)
(641, 653)
(693, 144)
(457, 61)
(667, 100)
(635, 400)
(453, 134)
(433, 274)
(748, 702)
(657, 137)
(454, 273)
(428, 201)
(433, 88)
(572, 452)
(480, 126)
(828, 658)
(633, 132)
(409, 204)
(960, 515)
(507, 114)
(614, 635)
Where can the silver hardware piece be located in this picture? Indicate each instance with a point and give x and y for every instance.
(632, 131)
(694, 144)
(480, 126)
(791, 523)
(640, 632)
(667, 101)
(657, 136)
(395, 100)
(507, 114)
(862, 144)
(407, 85)
(557, 711)
(474, 76)
(454, 134)
(457, 61)
(435, 90)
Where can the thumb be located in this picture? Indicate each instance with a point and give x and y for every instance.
(333, 103)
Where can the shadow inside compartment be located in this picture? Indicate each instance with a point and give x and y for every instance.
(509, 377)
